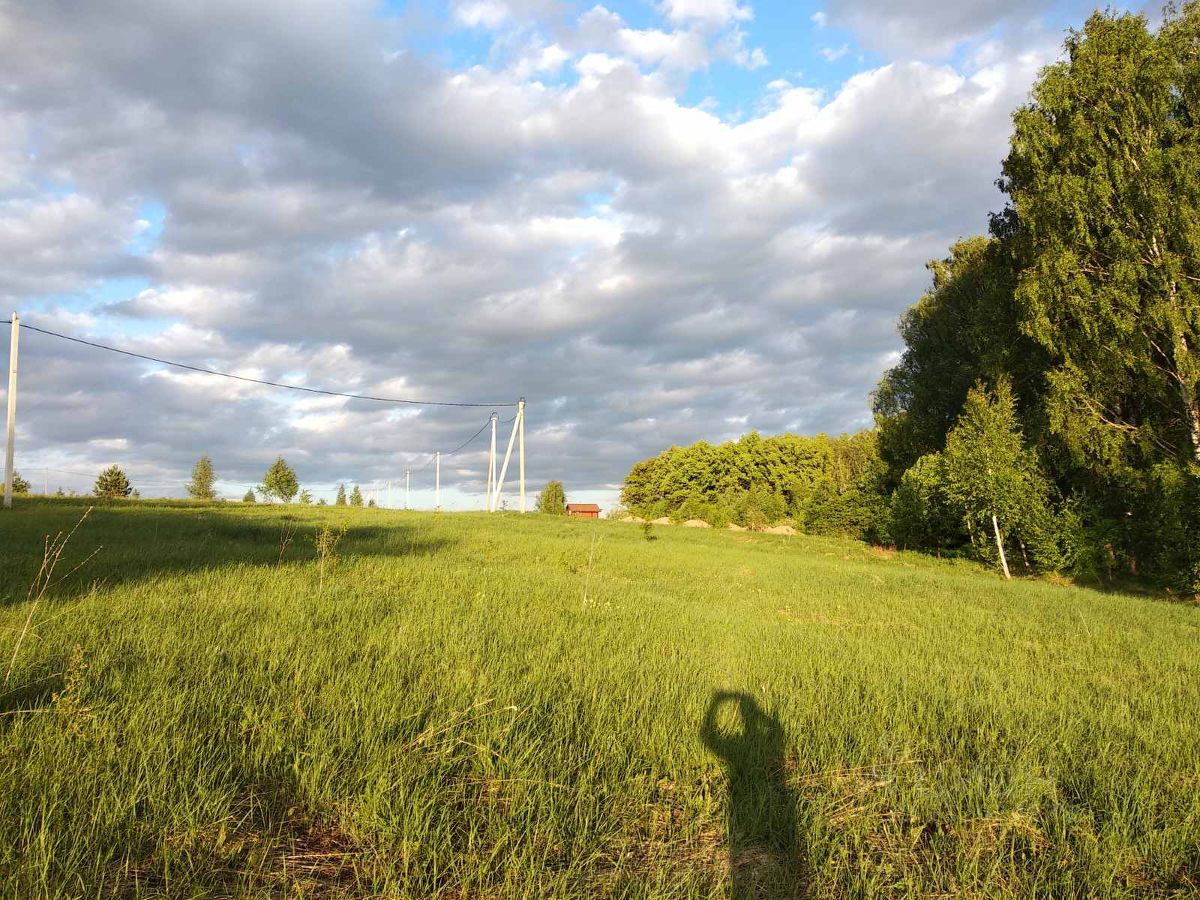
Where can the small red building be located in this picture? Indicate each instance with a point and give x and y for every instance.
(583, 510)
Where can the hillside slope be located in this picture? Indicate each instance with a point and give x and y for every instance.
(504, 706)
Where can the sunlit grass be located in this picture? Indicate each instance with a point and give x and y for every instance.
(445, 713)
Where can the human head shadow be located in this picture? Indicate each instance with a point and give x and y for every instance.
(153, 539)
(764, 855)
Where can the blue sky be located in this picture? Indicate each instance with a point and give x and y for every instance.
(660, 220)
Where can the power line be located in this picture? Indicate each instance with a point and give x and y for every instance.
(277, 384)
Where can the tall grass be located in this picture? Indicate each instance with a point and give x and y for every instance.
(474, 706)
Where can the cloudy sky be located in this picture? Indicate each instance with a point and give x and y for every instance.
(659, 221)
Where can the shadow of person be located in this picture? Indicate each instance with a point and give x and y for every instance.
(763, 855)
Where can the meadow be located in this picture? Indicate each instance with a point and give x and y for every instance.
(471, 706)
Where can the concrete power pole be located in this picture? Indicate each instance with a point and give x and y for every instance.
(11, 445)
(521, 449)
(491, 475)
(407, 473)
(437, 489)
(512, 439)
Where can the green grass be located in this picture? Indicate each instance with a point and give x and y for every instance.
(474, 706)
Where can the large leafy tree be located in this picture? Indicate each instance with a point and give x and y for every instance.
(1104, 183)
(553, 499)
(203, 479)
(965, 328)
(112, 483)
(356, 497)
(280, 481)
(341, 496)
(19, 484)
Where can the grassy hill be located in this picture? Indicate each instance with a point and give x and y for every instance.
(466, 706)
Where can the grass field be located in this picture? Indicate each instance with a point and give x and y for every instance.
(468, 706)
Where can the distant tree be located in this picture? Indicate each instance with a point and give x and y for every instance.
(112, 483)
(59, 493)
(280, 481)
(135, 494)
(371, 503)
(249, 497)
(20, 485)
(341, 496)
(203, 479)
(356, 497)
(305, 497)
(553, 499)
(322, 502)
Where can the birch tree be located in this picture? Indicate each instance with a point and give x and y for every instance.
(1104, 186)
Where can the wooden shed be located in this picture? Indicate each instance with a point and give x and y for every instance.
(583, 510)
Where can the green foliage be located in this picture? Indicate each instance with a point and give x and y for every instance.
(1087, 300)
(356, 497)
(203, 479)
(112, 484)
(755, 482)
(1104, 185)
(19, 484)
(553, 499)
(341, 496)
(1172, 515)
(279, 482)
(249, 497)
(922, 516)
(965, 329)
(993, 480)
(305, 498)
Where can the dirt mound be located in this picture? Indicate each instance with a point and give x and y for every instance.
(734, 527)
(663, 521)
(696, 523)
(780, 529)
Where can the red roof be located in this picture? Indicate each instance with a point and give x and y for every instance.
(582, 507)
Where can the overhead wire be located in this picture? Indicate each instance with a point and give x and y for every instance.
(276, 384)
(262, 381)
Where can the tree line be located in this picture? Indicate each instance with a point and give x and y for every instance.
(1045, 414)
(279, 484)
(824, 484)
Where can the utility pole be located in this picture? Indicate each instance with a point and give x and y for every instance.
(407, 473)
(437, 489)
(389, 494)
(491, 475)
(521, 424)
(512, 438)
(11, 445)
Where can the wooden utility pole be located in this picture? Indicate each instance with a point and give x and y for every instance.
(11, 445)
(521, 451)
(437, 489)
(407, 473)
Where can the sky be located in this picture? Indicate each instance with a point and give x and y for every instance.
(659, 221)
